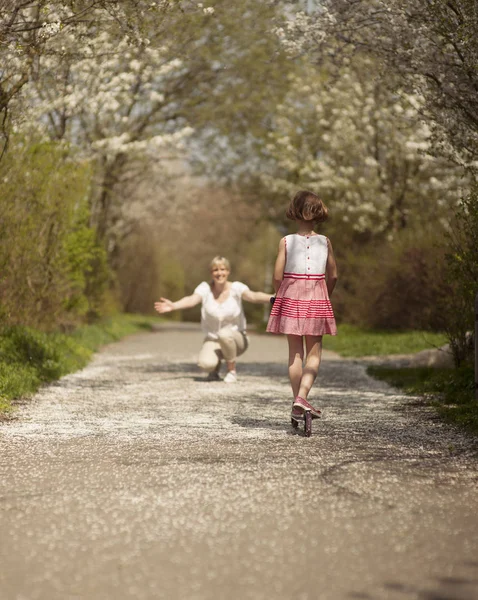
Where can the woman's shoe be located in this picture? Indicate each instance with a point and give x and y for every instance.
(213, 376)
(231, 377)
(302, 405)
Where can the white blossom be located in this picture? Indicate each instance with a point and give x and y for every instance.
(49, 29)
(345, 138)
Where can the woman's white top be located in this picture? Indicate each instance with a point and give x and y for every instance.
(306, 254)
(216, 315)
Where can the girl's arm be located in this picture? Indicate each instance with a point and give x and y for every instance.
(279, 266)
(164, 305)
(331, 269)
(256, 297)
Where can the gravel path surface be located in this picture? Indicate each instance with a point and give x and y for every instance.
(136, 479)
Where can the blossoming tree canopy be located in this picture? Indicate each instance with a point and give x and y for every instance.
(363, 143)
(432, 45)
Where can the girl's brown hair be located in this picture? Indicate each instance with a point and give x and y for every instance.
(307, 206)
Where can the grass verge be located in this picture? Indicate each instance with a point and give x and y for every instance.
(451, 391)
(353, 341)
(29, 358)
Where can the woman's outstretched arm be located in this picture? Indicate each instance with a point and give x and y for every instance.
(256, 297)
(164, 305)
(261, 297)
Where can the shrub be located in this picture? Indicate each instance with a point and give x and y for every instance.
(462, 275)
(52, 271)
(15, 382)
(394, 285)
(29, 358)
(21, 345)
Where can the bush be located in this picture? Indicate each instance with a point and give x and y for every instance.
(52, 271)
(394, 285)
(462, 275)
(29, 358)
(15, 382)
(35, 349)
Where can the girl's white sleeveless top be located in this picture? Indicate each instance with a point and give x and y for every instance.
(306, 255)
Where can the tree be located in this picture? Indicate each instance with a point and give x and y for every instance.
(52, 271)
(362, 143)
(431, 44)
(26, 27)
(188, 68)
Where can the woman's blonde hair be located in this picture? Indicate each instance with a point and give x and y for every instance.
(219, 259)
(307, 206)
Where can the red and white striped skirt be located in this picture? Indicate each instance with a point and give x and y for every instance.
(302, 307)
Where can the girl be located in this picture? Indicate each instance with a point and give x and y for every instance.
(305, 275)
(222, 318)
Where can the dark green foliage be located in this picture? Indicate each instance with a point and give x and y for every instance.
(35, 349)
(86, 267)
(16, 383)
(29, 358)
(52, 270)
(462, 272)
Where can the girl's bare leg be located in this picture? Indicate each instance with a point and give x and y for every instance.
(313, 346)
(296, 358)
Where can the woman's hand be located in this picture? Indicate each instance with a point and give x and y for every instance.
(164, 305)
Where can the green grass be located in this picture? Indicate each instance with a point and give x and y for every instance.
(29, 358)
(451, 391)
(353, 341)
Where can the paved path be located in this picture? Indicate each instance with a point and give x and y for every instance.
(136, 479)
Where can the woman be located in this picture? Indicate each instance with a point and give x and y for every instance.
(222, 318)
